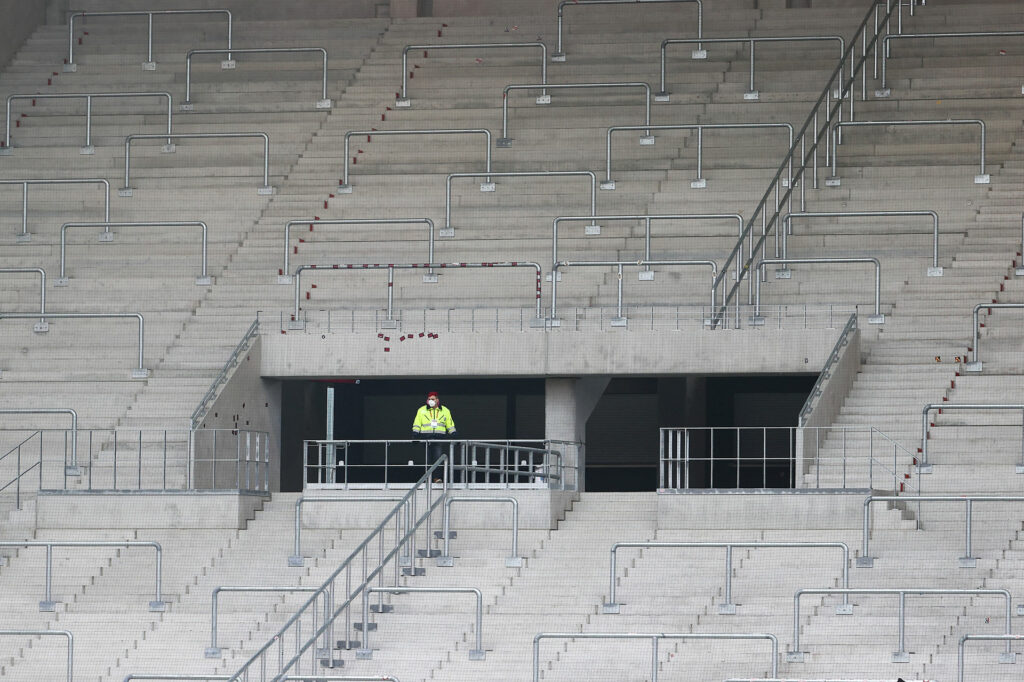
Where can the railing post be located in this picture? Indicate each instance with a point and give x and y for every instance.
(901, 655)
(727, 607)
(968, 560)
(48, 604)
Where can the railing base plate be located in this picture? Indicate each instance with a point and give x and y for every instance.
(514, 562)
(227, 64)
(140, 374)
(72, 471)
(618, 322)
(755, 321)
(924, 469)
(900, 657)
(982, 179)
(452, 534)
(647, 140)
(537, 323)
(794, 657)
(558, 57)
(1008, 658)
(106, 237)
(186, 106)
(487, 187)
(876, 319)
(428, 553)
(265, 190)
(168, 149)
(727, 609)
(445, 561)
(403, 102)
(348, 644)
(544, 99)
(344, 189)
(211, 652)
(70, 68)
(414, 571)
(611, 607)
(699, 183)
(1019, 272)
(324, 104)
(364, 654)
(1019, 469)
(663, 96)
(87, 150)
(865, 562)
(380, 608)
(61, 282)
(149, 66)
(968, 562)
(124, 192)
(699, 54)
(504, 142)
(23, 238)
(296, 561)
(935, 271)
(833, 182)
(204, 281)
(844, 610)
(296, 325)
(157, 606)
(389, 324)
(477, 654)
(446, 232)
(430, 279)
(284, 279)
(753, 95)
(607, 184)
(588, 230)
(882, 93)
(646, 275)
(558, 276)
(1020, 609)
(5, 151)
(41, 327)
(48, 606)
(783, 273)
(328, 662)
(359, 628)
(554, 322)
(972, 366)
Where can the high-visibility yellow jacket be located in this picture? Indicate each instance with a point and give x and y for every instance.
(433, 420)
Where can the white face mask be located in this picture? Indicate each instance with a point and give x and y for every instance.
(432, 402)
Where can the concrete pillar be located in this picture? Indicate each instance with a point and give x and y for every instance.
(568, 402)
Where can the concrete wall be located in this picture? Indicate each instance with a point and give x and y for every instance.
(760, 510)
(18, 20)
(147, 510)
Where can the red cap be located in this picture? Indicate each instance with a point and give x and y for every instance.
(432, 394)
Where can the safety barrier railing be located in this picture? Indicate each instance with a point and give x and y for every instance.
(975, 365)
(139, 372)
(934, 270)
(284, 274)
(1019, 269)
(214, 650)
(727, 607)
(171, 676)
(926, 424)
(503, 462)
(364, 652)
(700, 182)
(818, 132)
(45, 633)
(901, 655)
(149, 64)
(390, 322)
(222, 376)
(25, 236)
(968, 560)
(620, 319)
(559, 55)
(188, 105)
(71, 466)
(346, 188)
(447, 560)
(340, 678)
(826, 371)
(655, 638)
(298, 558)
(365, 566)
(885, 91)
(449, 231)
(88, 147)
(506, 141)
(1005, 657)
(49, 604)
(19, 473)
(63, 281)
(752, 94)
(877, 318)
(126, 191)
(982, 178)
(404, 101)
(40, 326)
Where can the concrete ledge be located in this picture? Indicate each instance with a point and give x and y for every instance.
(762, 509)
(147, 509)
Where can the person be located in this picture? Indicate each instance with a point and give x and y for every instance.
(433, 423)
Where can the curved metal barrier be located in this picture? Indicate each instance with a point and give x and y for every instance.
(25, 236)
(559, 55)
(404, 101)
(885, 91)
(43, 633)
(925, 465)
(41, 326)
(757, 319)
(71, 468)
(975, 365)
(447, 560)
(365, 652)
(188, 105)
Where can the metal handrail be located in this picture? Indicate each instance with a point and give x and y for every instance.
(171, 676)
(16, 481)
(982, 178)
(126, 191)
(404, 101)
(51, 410)
(975, 365)
(42, 633)
(40, 326)
(214, 651)
(900, 655)
(88, 148)
(346, 188)
(149, 64)
(139, 372)
(825, 373)
(1006, 657)
(559, 56)
(477, 654)
(48, 603)
(202, 280)
(506, 141)
(727, 607)
(449, 231)
(620, 320)
(925, 425)
(341, 678)
(284, 274)
(222, 377)
(24, 236)
(865, 560)
(447, 560)
(876, 318)
(752, 94)
(298, 559)
(323, 103)
(787, 222)
(654, 638)
(886, 91)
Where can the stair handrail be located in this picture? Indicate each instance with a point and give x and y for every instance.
(16, 481)
(222, 376)
(825, 374)
(40, 633)
(50, 410)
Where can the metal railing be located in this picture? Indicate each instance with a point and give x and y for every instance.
(701, 181)
(346, 188)
(752, 94)
(926, 425)
(885, 91)
(826, 372)
(25, 236)
(171, 676)
(63, 281)
(559, 55)
(188, 105)
(935, 270)
(284, 274)
(214, 651)
(620, 318)
(786, 273)
(390, 322)
(298, 558)
(727, 607)
(654, 638)
(49, 604)
(900, 655)
(43, 633)
(1005, 657)
(88, 148)
(449, 231)
(222, 377)
(975, 365)
(404, 101)
(149, 64)
(447, 560)
(139, 372)
(1019, 269)
(476, 654)
(982, 178)
(506, 141)
(18, 472)
(968, 560)
(73, 463)
(40, 326)
(126, 191)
